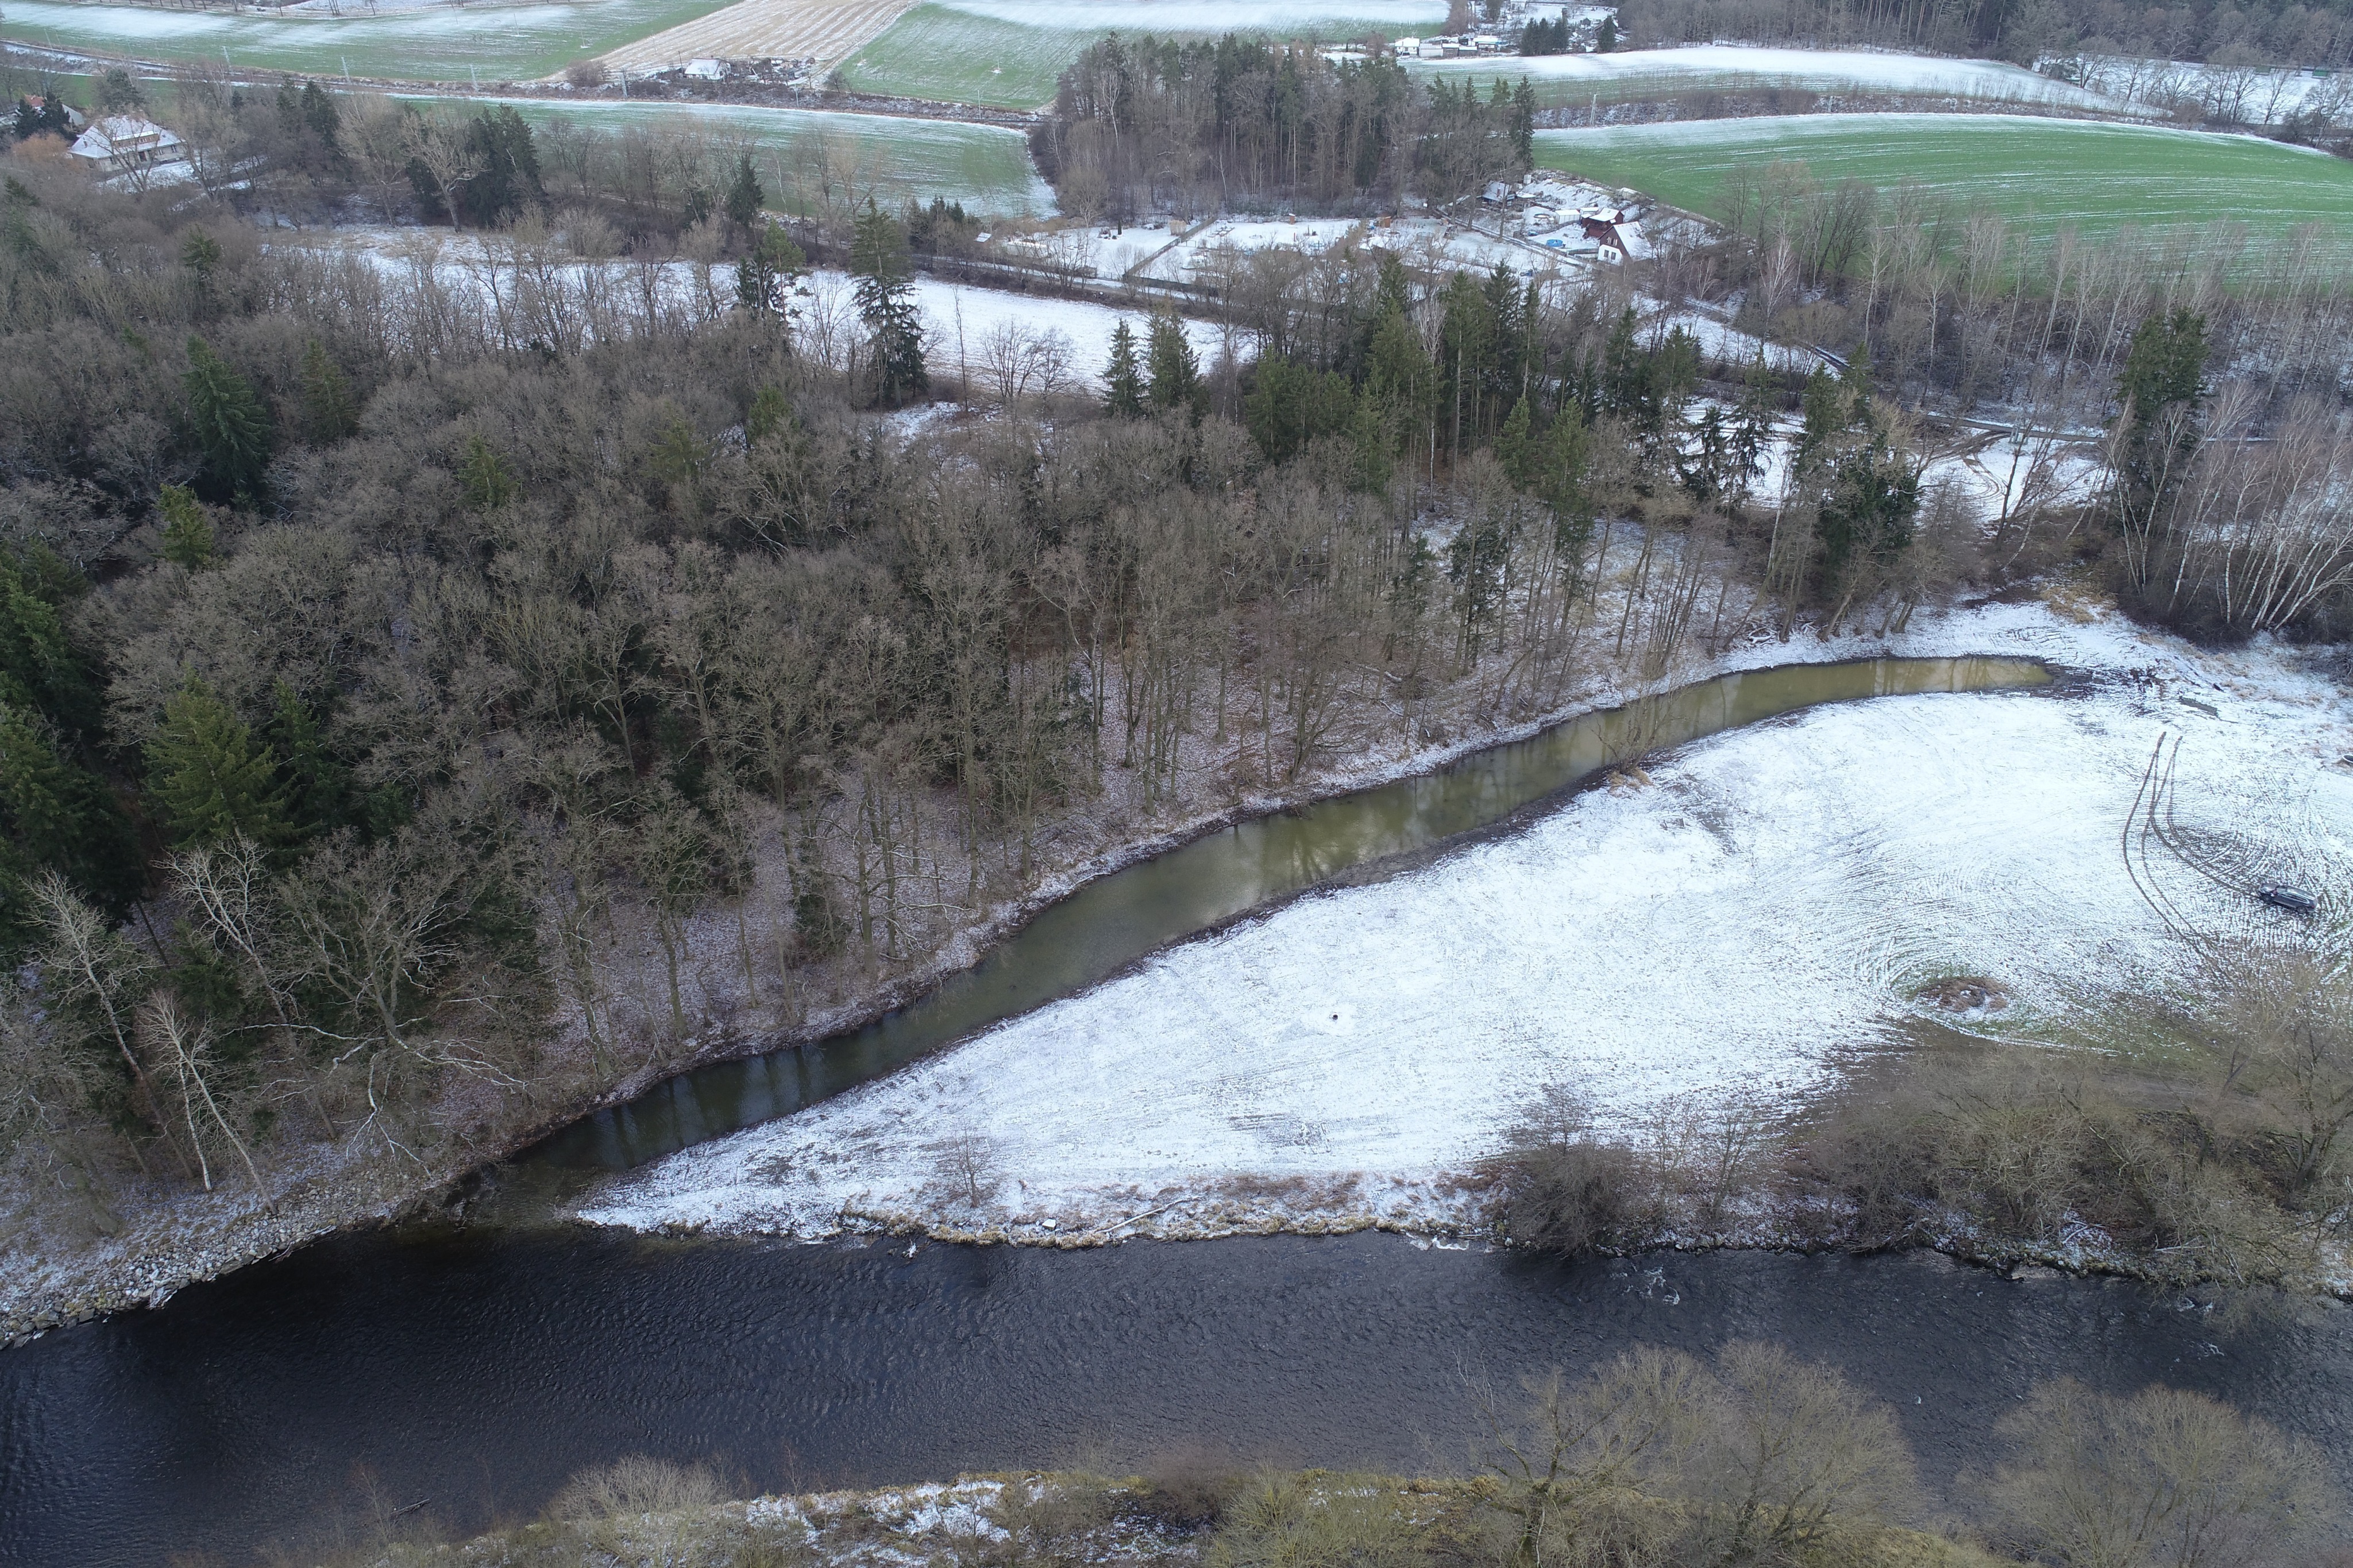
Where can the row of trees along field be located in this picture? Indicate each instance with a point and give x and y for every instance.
(1140, 124)
(2274, 32)
(439, 691)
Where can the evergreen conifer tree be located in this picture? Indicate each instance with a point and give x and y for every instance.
(886, 303)
(329, 412)
(745, 196)
(1176, 374)
(187, 531)
(764, 277)
(1123, 380)
(770, 412)
(482, 475)
(232, 425)
(212, 780)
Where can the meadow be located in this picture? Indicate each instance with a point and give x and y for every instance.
(1561, 80)
(431, 43)
(984, 167)
(1009, 55)
(2042, 174)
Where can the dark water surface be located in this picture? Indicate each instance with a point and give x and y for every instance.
(1117, 918)
(477, 1370)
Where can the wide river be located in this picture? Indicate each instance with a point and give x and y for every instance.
(461, 1375)
(472, 1372)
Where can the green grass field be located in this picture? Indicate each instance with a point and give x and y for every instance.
(986, 167)
(497, 42)
(952, 56)
(2045, 174)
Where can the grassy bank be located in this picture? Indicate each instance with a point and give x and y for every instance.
(1653, 1460)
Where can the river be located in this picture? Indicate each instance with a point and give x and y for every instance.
(473, 1372)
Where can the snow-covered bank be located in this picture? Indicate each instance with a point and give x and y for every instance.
(1733, 932)
(1719, 65)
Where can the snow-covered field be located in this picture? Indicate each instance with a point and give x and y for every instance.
(820, 30)
(1731, 65)
(963, 322)
(1203, 16)
(1731, 933)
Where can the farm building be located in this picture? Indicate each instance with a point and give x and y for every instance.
(127, 142)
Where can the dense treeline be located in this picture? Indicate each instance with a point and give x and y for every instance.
(1655, 1459)
(1145, 123)
(2280, 32)
(438, 691)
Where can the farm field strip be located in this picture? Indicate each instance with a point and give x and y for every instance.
(1727, 68)
(436, 43)
(1009, 55)
(2045, 174)
(822, 30)
(986, 167)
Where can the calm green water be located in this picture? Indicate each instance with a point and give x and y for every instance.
(1117, 918)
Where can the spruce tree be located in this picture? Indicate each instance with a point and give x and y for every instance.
(187, 531)
(482, 476)
(317, 789)
(770, 412)
(745, 196)
(329, 411)
(231, 424)
(1123, 380)
(1176, 374)
(211, 779)
(764, 277)
(886, 303)
(2162, 387)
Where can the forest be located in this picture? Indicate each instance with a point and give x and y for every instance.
(444, 690)
(1140, 124)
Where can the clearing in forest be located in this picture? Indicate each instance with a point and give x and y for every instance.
(821, 30)
(2042, 174)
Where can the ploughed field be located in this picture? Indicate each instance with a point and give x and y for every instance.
(2045, 175)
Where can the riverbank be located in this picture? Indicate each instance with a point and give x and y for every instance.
(1198, 1509)
(199, 1236)
(480, 1371)
(1725, 936)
